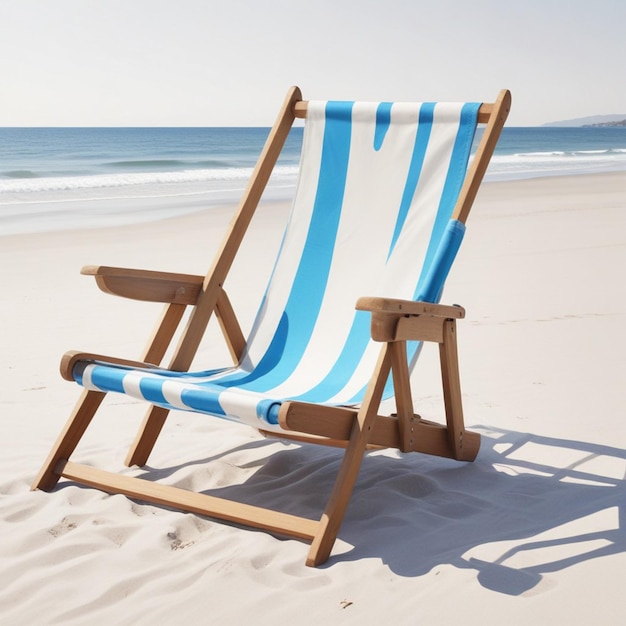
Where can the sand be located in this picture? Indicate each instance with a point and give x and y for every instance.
(531, 533)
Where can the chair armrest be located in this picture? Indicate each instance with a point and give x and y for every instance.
(72, 357)
(402, 320)
(146, 285)
(397, 307)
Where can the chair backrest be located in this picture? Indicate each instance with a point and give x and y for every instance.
(372, 216)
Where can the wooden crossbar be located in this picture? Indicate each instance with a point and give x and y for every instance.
(484, 112)
(203, 504)
(333, 426)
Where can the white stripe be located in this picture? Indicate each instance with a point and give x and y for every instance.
(173, 390)
(131, 383)
(240, 405)
(87, 382)
(410, 249)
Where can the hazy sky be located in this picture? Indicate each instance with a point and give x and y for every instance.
(210, 63)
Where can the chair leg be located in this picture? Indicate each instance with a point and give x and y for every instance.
(147, 436)
(75, 427)
(333, 515)
(351, 464)
(402, 393)
(452, 388)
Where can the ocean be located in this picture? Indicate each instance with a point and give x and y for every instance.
(58, 178)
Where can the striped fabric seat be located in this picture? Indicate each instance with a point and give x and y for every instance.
(371, 217)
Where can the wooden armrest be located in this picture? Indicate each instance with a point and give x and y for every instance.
(397, 307)
(70, 359)
(401, 320)
(146, 285)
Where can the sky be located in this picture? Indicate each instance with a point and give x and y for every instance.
(230, 62)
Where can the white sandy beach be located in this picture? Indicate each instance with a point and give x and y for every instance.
(533, 532)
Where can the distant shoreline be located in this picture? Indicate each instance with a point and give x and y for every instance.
(617, 124)
(591, 121)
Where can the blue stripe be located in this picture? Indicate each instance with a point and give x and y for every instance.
(307, 293)
(437, 272)
(383, 121)
(151, 390)
(108, 378)
(270, 360)
(343, 369)
(452, 187)
(415, 168)
(205, 399)
(268, 410)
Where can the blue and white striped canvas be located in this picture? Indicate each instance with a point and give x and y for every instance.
(372, 217)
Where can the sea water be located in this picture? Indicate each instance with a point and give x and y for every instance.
(551, 151)
(58, 178)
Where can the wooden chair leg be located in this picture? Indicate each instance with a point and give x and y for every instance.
(75, 427)
(452, 388)
(164, 332)
(402, 393)
(146, 437)
(344, 483)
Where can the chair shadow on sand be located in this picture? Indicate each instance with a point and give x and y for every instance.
(528, 506)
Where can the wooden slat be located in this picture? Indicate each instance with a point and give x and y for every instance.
(336, 423)
(333, 425)
(230, 327)
(433, 438)
(304, 438)
(142, 489)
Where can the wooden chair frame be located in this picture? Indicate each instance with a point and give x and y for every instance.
(393, 323)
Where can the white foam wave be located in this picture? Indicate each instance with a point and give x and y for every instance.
(550, 163)
(608, 152)
(100, 181)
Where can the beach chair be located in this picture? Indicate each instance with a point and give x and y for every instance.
(383, 194)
